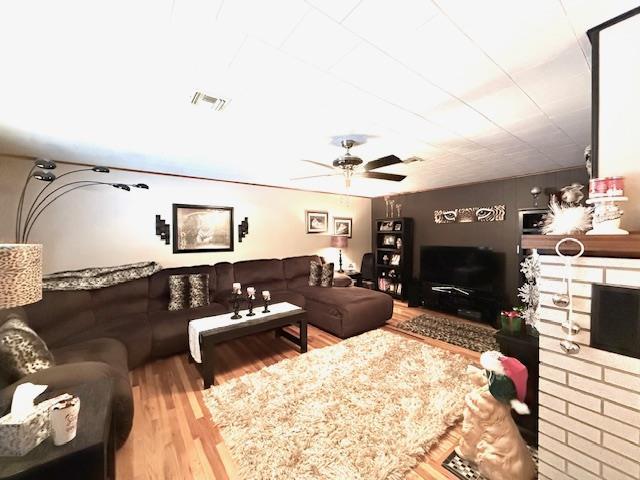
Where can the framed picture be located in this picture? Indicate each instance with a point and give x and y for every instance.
(386, 226)
(397, 226)
(389, 240)
(202, 228)
(395, 259)
(317, 222)
(342, 226)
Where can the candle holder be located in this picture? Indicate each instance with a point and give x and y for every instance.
(250, 299)
(267, 302)
(236, 298)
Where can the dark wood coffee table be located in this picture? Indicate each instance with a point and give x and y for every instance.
(206, 333)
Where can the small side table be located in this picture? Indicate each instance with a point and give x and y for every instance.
(355, 276)
(89, 456)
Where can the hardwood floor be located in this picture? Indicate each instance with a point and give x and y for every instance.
(173, 436)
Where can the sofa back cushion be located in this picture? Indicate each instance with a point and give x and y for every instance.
(224, 281)
(119, 301)
(296, 270)
(159, 284)
(60, 315)
(261, 274)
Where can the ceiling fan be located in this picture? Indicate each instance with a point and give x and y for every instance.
(348, 165)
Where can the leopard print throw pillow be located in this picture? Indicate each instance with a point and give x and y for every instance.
(198, 290)
(326, 278)
(22, 351)
(178, 292)
(315, 272)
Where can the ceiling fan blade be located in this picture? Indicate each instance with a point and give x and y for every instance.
(318, 163)
(383, 176)
(317, 176)
(382, 162)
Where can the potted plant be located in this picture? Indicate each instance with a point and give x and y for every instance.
(511, 321)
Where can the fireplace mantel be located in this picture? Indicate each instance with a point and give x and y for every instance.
(627, 246)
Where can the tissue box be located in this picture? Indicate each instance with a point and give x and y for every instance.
(18, 436)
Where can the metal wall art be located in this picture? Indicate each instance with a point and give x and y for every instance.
(163, 229)
(495, 213)
(243, 229)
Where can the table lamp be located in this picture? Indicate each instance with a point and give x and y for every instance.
(340, 242)
(20, 274)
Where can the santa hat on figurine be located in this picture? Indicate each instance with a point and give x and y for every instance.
(507, 379)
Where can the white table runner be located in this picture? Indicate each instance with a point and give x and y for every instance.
(208, 324)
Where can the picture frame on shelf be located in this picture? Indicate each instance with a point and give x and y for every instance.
(389, 240)
(342, 226)
(395, 259)
(397, 227)
(202, 228)
(317, 221)
(386, 226)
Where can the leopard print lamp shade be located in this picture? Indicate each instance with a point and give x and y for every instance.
(20, 274)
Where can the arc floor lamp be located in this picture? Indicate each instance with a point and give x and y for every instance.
(42, 171)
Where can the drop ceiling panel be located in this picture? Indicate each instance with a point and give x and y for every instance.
(478, 89)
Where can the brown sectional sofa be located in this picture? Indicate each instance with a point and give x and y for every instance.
(106, 332)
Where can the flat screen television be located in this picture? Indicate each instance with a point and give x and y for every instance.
(474, 268)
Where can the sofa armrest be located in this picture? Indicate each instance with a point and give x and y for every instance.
(342, 280)
(61, 377)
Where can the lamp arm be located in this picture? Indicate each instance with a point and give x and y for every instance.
(34, 208)
(33, 204)
(20, 203)
(28, 227)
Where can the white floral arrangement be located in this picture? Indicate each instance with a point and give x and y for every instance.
(529, 293)
(567, 219)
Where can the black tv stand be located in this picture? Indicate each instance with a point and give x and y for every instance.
(461, 301)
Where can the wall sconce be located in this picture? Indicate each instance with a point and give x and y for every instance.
(243, 229)
(162, 229)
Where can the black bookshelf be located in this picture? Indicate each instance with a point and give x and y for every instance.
(393, 252)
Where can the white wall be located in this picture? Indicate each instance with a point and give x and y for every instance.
(619, 139)
(101, 226)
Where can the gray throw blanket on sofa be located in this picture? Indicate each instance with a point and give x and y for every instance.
(99, 277)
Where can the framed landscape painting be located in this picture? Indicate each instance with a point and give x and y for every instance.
(342, 226)
(202, 228)
(317, 222)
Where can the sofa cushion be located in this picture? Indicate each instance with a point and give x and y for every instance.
(315, 273)
(342, 280)
(22, 351)
(133, 331)
(107, 350)
(261, 274)
(178, 292)
(296, 270)
(224, 281)
(128, 298)
(169, 328)
(60, 315)
(198, 290)
(159, 284)
(326, 277)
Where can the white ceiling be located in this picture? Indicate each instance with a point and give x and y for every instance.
(478, 89)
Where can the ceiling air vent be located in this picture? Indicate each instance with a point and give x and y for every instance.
(215, 103)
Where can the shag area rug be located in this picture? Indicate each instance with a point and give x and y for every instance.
(364, 409)
(478, 338)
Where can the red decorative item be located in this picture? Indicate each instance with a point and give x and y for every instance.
(615, 186)
(598, 187)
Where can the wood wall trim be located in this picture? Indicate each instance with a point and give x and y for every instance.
(618, 246)
(501, 179)
(182, 175)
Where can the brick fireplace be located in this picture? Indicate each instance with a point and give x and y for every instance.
(589, 425)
